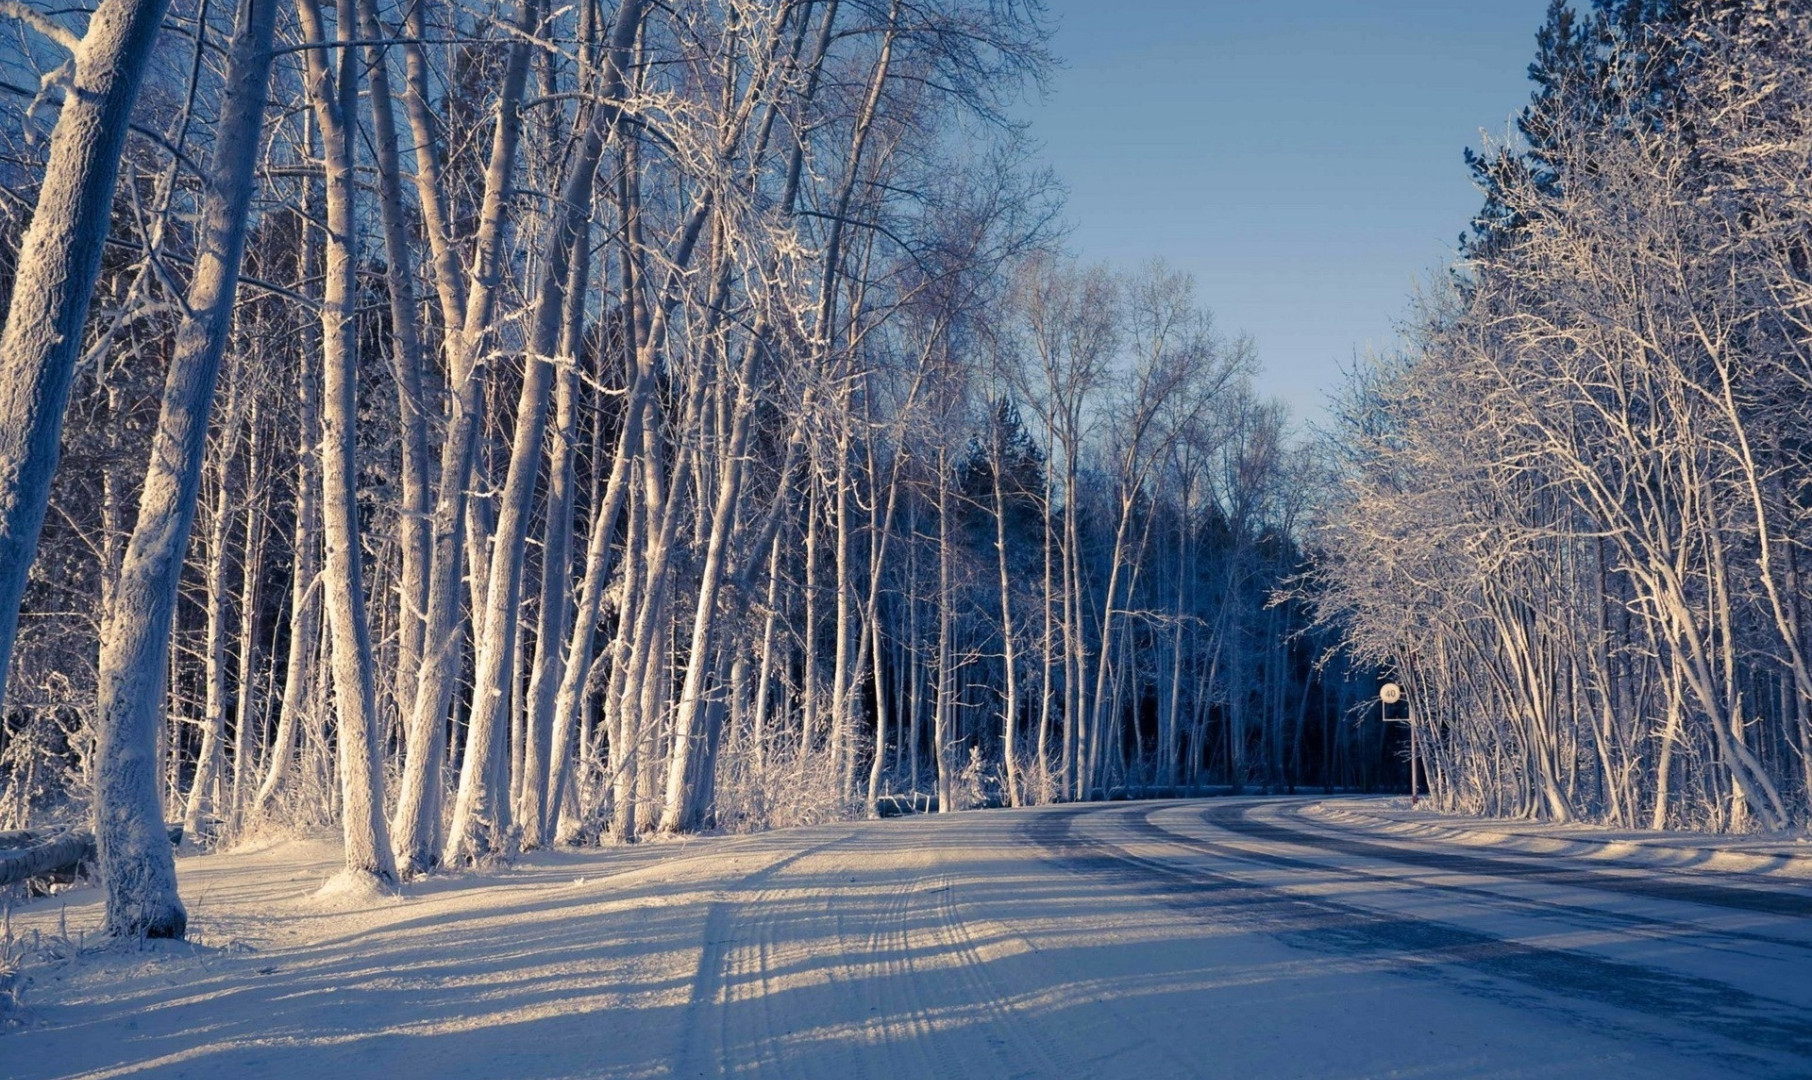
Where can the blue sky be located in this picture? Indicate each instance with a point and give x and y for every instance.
(1302, 160)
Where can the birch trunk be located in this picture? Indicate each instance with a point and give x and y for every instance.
(945, 706)
(683, 809)
(579, 658)
(305, 568)
(880, 527)
(138, 871)
(534, 806)
(470, 833)
(59, 260)
(1009, 658)
(334, 97)
(247, 735)
(467, 310)
(413, 536)
(213, 713)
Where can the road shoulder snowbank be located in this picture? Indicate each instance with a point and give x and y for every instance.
(1785, 856)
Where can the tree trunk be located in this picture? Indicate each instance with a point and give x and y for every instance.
(53, 281)
(413, 535)
(946, 651)
(305, 569)
(1009, 658)
(534, 805)
(467, 312)
(213, 713)
(246, 734)
(137, 869)
(469, 834)
(335, 98)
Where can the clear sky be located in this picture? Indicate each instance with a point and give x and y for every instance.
(1301, 159)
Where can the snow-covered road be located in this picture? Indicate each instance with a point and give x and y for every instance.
(1238, 938)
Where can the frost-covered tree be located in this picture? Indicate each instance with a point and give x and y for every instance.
(1573, 516)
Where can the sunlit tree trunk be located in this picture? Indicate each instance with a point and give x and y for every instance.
(137, 869)
(53, 281)
(467, 312)
(334, 96)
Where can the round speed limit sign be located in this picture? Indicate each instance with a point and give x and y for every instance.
(1390, 693)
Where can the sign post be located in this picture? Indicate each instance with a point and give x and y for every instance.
(1389, 694)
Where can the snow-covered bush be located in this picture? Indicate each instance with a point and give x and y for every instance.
(977, 784)
(783, 789)
(43, 756)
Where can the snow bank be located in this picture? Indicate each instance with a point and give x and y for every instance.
(1787, 857)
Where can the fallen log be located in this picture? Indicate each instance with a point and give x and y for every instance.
(14, 839)
(65, 854)
(55, 855)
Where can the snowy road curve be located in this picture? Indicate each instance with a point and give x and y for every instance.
(1238, 938)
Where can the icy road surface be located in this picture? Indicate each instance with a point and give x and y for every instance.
(1235, 938)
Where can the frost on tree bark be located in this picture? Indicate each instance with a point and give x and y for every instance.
(534, 806)
(305, 563)
(334, 97)
(407, 366)
(871, 657)
(467, 310)
(469, 833)
(59, 259)
(137, 869)
(945, 708)
(248, 733)
(1009, 660)
(213, 721)
(684, 810)
(579, 658)
(691, 771)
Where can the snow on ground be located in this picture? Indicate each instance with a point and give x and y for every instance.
(1226, 937)
(1772, 854)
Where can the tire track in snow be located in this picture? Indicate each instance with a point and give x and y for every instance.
(885, 1014)
(908, 988)
(903, 992)
(820, 965)
(902, 1034)
(1017, 1052)
(1019, 1045)
(705, 1038)
(1769, 1035)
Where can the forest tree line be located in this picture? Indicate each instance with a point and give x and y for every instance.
(485, 426)
(1573, 515)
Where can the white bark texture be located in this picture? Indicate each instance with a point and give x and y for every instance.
(59, 259)
(137, 868)
(366, 834)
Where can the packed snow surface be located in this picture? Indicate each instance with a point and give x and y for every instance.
(1230, 937)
